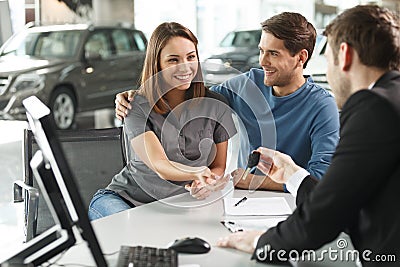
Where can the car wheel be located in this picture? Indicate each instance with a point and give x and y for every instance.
(63, 106)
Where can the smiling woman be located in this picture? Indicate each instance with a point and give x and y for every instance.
(179, 69)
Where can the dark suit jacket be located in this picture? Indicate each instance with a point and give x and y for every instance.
(360, 192)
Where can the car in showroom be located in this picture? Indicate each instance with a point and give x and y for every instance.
(317, 66)
(72, 68)
(238, 52)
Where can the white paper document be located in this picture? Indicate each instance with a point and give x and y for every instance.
(257, 206)
(252, 224)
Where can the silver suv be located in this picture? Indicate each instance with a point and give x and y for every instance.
(71, 68)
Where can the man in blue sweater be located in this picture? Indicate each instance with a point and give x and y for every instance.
(277, 106)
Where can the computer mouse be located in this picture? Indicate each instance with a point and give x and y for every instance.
(191, 245)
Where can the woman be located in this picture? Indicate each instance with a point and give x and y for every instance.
(177, 130)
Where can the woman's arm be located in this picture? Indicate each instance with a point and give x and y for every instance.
(219, 164)
(217, 167)
(148, 147)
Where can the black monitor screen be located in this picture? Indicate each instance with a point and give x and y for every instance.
(60, 191)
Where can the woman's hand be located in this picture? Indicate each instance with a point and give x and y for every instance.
(201, 191)
(197, 190)
(205, 176)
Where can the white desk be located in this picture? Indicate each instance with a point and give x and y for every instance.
(159, 223)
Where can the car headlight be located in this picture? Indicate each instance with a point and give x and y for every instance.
(214, 64)
(28, 81)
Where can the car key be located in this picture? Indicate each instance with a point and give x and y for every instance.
(253, 160)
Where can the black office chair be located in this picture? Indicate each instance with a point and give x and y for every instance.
(94, 155)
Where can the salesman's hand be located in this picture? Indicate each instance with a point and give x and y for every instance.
(278, 166)
(243, 241)
(122, 103)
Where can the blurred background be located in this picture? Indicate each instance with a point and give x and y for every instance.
(78, 67)
(209, 20)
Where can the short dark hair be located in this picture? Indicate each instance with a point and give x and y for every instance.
(372, 31)
(295, 31)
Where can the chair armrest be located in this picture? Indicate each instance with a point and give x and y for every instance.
(30, 195)
(19, 187)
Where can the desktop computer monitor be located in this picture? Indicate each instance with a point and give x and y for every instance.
(60, 191)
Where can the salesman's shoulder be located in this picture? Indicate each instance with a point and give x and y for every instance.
(388, 87)
(372, 103)
(385, 95)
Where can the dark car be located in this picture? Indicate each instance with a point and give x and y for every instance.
(71, 68)
(237, 53)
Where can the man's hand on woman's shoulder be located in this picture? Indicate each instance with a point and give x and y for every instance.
(122, 103)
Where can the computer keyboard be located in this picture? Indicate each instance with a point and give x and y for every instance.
(139, 256)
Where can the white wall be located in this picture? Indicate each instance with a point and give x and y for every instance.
(5, 26)
(113, 11)
(149, 14)
(104, 12)
(212, 20)
(12, 14)
(55, 12)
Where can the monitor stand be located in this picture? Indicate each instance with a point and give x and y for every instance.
(43, 247)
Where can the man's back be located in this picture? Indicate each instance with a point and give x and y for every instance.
(389, 88)
(359, 190)
(363, 179)
(378, 224)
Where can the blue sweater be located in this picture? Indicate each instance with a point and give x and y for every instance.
(304, 124)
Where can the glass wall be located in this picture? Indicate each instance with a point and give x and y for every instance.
(211, 20)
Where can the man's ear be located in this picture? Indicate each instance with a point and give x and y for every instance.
(303, 56)
(345, 56)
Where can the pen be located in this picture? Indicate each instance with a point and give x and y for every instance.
(240, 201)
(231, 226)
(253, 160)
